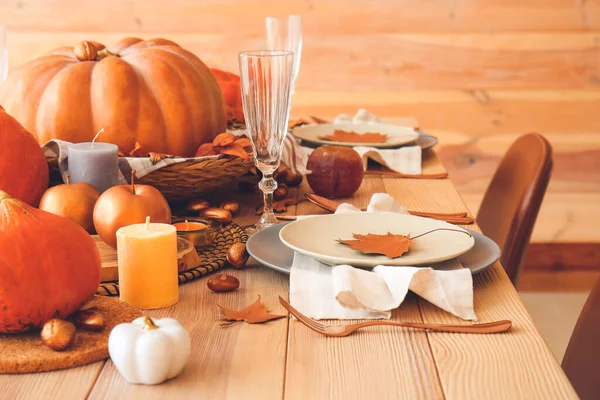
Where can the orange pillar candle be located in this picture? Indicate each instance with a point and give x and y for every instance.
(147, 259)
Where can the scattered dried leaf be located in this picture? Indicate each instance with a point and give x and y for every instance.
(223, 139)
(244, 142)
(137, 151)
(206, 149)
(228, 144)
(234, 149)
(255, 313)
(354, 137)
(279, 206)
(156, 157)
(393, 246)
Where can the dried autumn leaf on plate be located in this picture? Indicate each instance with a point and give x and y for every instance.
(205, 149)
(255, 313)
(393, 246)
(234, 149)
(354, 137)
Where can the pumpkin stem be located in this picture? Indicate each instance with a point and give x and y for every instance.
(149, 324)
(68, 179)
(133, 181)
(102, 54)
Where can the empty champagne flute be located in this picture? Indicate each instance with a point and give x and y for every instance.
(285, 33)
(266, 80)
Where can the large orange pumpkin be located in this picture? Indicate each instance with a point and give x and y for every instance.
(23, 166)
(230, 86)
(149, 91)
(49, 266)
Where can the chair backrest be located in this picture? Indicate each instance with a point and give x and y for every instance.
(582, 359)
(512, 201)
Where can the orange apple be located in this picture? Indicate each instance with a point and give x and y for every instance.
(126, 205)
(73, 201)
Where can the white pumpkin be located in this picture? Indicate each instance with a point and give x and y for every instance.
(149, 351)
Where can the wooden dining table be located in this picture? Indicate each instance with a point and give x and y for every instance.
(284, 359)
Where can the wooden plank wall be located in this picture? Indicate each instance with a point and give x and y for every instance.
(475, 73)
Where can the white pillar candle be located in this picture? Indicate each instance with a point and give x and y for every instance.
(94, 163)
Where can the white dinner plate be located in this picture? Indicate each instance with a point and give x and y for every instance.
(396, 135)
(317, 237)
(266, 248)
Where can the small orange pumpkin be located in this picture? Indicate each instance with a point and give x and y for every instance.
(147, 91)
(49, 266)
(230, 86)
(23, 166)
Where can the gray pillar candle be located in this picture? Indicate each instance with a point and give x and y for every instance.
(94, 163)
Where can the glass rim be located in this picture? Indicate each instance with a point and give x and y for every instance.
(283, 17)
(265, 53)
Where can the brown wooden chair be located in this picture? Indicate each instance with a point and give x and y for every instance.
(512, 201)
(582, 359)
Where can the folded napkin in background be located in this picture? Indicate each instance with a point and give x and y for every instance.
(405, 160)
(343, 292)
(360, 117)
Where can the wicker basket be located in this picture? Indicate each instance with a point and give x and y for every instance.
(185, 180)
(189, 179)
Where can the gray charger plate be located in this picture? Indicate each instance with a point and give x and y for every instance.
(266, 248)
(426, 141)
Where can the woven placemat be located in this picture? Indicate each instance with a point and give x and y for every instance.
(25, 352)
(212, 258)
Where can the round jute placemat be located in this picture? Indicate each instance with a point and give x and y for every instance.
(25, 352)
(212, 258)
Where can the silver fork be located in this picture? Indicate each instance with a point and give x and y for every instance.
(346, 329)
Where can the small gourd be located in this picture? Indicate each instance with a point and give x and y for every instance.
(149, 351)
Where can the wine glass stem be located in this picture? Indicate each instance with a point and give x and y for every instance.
(268, 185)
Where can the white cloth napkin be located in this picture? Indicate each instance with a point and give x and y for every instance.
(344, 292)
(405, 160)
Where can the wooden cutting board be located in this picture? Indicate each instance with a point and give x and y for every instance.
(187, 257)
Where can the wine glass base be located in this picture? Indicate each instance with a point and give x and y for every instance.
(252, 229)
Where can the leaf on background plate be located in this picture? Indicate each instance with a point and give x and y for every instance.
(255, 313)
(354, 137)
(393, 246)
